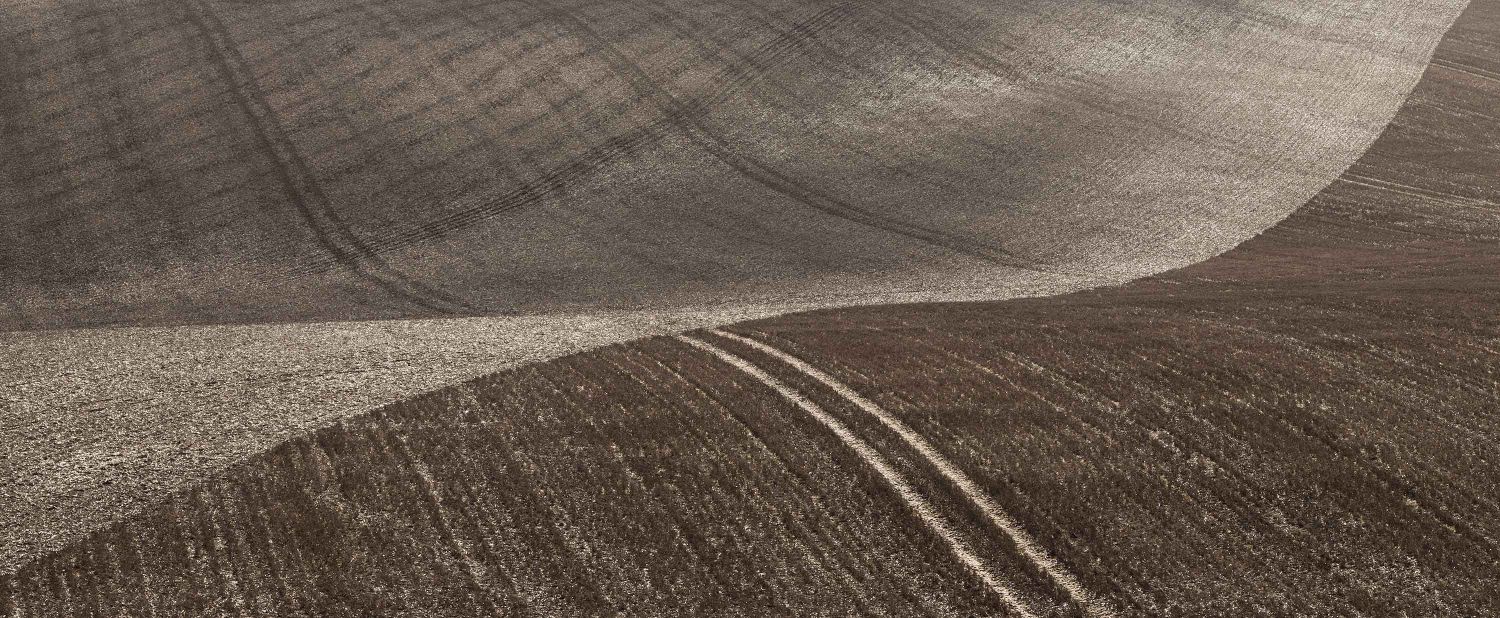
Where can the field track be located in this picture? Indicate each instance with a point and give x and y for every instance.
(1302, 425)
(975, 495)
(192, 251)
(871, 457)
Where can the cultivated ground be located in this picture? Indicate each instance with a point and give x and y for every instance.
(194, 162)
(233, 182)
(1302, 425)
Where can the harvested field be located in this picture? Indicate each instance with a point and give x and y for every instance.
(1304, 425)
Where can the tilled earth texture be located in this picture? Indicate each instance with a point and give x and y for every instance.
(1034, 308)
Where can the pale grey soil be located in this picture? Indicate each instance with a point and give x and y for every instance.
(202, 163)
(184, 161)
(1303, 426)
(100, 422)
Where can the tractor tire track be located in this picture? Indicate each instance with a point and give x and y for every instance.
(1034, 552)
(688, 116)
(692, 118)
(297, 179)
(903, 487)
(732, 79)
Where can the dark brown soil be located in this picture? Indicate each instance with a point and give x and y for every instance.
(1303, 426)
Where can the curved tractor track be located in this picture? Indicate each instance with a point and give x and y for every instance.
(1302, 425)
(189, 162)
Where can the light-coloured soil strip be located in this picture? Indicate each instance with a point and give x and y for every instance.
(1033, 551)
(908, 493)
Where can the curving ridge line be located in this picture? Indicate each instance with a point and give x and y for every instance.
(104, 336)
(1368, 224)
(651, 157)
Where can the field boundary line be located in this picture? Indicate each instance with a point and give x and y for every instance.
(908, 493)
(1029, 547)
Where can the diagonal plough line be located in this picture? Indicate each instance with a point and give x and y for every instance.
(298, 181)
(1092, 604)
(731, 79)
(687, 116)
(725, 152)
(902, 486)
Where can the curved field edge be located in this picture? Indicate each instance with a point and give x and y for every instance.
(149, 411)
(964, 149)
(1307, 412)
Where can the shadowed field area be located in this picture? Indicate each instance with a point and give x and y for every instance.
(1305, 425)
(225, 224)
(173, 162)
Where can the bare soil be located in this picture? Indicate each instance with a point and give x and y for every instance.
(1302, 426)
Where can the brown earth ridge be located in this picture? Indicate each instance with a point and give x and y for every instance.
(204, 203)
(1304, 425)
